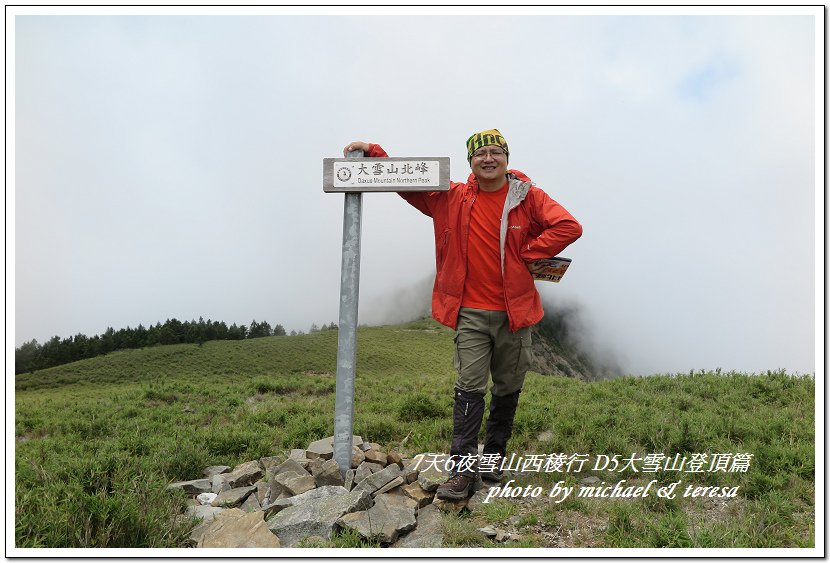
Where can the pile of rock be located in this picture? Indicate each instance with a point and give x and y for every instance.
(279, 501)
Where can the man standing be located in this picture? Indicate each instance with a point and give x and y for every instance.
(489, 232)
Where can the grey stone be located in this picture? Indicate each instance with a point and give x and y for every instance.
(315, 465)
(299, 485)
(357, 457)
(383, 522)
(409, 475)
(325, 448)
(329, 474)
(396, 482)
(394, 457)
(299, 457)
(197, 533)
(375, 456)
(315, 518)
(236, 528)
(362, 472)
(488, 531)
(195, 487)
(431, 470)
(430, 480)
(251, 504)
(395, 500)
(418, 494)
(276, 487)
(590, 480)
(204, 513)
(288, 465)
(245, 474)
(218, 484)
(428, 531)
(270, 461)
(262, 488)
(377, 480)
(233, 497)
(546, 436)
(209, 472)
(349, 481)
(313, 494)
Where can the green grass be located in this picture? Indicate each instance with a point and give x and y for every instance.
(97, 441)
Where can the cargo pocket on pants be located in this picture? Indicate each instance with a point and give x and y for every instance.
(456, 359)
(525, 355)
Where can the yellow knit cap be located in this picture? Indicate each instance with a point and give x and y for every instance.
(489, 137)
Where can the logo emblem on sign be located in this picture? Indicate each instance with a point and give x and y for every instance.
(343, 174)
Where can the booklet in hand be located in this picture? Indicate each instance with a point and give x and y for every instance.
(554, 268)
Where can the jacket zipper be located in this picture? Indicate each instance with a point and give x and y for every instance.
(503, 244)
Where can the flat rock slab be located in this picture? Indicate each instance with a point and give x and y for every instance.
(418, 494)
(325, 448)
(315, 518)
(312, 495)
(357, 457)
(375, 456)
(209, 472)
(394, 457)
(396, 482)
(270, 461)
(218, 483)
(431, 471)
(428, 531)
(236, 528)
(328, 474)
(204, 513)
(395, 500)
(383, 522)
(233, 497)
(245, 474)
(288, 465)
(377, 480)
(195, 487)
(294, 484)
(251, 504)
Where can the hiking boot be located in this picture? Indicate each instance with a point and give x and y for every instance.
(457, 487)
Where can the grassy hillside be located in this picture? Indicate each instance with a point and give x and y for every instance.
(98, 440)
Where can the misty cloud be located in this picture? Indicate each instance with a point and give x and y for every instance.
(170, 167)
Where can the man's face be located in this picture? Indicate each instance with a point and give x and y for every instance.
(489, 163)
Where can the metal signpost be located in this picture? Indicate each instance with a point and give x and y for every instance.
(353, 176)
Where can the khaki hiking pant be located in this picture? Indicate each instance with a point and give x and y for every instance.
(484, 345)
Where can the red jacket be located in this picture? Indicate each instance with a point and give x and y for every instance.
(534, 226)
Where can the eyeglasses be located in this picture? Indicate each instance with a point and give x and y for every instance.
(495, 153)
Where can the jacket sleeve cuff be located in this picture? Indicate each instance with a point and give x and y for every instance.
(376, 151)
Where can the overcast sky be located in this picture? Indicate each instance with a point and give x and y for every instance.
(171, 166)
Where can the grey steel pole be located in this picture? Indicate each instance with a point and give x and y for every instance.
(347, 332)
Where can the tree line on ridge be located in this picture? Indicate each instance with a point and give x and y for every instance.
(32, 356)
